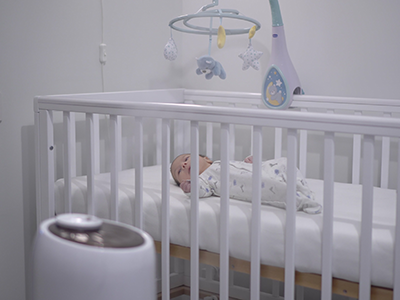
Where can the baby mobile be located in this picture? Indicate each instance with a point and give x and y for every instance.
(206, 64)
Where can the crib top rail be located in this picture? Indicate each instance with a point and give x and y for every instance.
(299, 101)
(369, 125)
(161, 95)
(235, 99)
(347, 103)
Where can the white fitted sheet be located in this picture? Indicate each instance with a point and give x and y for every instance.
(347, 216)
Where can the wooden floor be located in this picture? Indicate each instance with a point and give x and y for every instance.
(308, 280)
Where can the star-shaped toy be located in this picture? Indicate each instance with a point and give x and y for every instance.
(250, 58)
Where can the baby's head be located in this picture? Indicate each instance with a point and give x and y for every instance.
(180, 167)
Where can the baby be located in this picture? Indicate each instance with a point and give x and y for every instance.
(273, 182)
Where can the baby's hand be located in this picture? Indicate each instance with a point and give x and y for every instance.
(249, 159)
(185, 186)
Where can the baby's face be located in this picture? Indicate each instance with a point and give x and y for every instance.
(180, 168)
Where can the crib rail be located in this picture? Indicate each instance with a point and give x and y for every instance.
(387, 108)
(366, 128)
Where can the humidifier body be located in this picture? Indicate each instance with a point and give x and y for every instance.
(113, 261)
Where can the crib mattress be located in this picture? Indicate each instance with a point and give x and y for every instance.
(346, 230)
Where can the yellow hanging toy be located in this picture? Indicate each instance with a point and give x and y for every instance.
(221, 37)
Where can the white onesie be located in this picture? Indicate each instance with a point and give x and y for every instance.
(273, 184)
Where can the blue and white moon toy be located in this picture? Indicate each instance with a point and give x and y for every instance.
(281, 81)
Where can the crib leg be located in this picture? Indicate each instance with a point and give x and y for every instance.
(299, 293)
(275, 289)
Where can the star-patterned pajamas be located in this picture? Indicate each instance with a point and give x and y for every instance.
(273, 184)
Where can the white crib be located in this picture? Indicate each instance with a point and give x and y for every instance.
(179, 114)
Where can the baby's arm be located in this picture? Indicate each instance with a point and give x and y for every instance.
(249, 159)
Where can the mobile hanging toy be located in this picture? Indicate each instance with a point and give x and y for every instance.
(210, 67)
(281, 81)
(170, 50)
(251, 56)
(206, 64)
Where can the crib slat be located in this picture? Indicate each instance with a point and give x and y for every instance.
(67, 160)
(90, 160)
(366, 218)
(303, 152)
(96, 143)
(232, 136)
(115, 139)
(232, 141)
(356, 155)
(251, 137)
(278, 143)
(385, 158)
(224, 213)
(45, 209)
(38, 181)
(303, 149)
(385, 162)
(327, 229)
(209, 140)
(138, 172)
(209, 137)
(165, 224)
(178, 137)
(186, 135)
(396, 277)
(256, 215)
(73, 144)
(290, 231)
(194, 211)
(158, 141)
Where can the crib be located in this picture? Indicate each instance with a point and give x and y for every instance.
(107, 154)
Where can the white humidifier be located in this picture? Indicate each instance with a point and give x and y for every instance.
(78, 256)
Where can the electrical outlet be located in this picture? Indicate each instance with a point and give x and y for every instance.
(102, 54)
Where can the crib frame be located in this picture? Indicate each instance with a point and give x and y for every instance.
(139, 105)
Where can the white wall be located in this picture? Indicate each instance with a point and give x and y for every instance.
(343, 48)
(51, 47)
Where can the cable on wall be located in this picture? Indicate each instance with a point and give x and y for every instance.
(102, 48)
